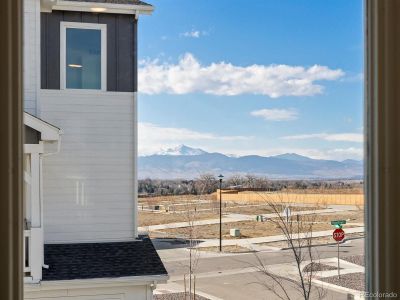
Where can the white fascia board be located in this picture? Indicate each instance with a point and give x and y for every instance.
(48, 132)
(95, 283)
(34, 148)
(48, 5)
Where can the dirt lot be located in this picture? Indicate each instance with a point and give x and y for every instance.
(174, 199)
(248, 229)
(153, 218)
(173, 204)
(257, 209)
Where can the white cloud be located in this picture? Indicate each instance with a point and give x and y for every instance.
(359, 77)
(221, 78)
(333, 153)
(334, 137)
(194, 34)
(356, 153)
(275, 114)
(153, 137)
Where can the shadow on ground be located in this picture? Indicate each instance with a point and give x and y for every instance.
(172, 243)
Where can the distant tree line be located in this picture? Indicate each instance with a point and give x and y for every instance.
(208, 183)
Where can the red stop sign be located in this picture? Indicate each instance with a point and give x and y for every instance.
(338, 234)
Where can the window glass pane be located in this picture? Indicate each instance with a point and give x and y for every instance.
(83, 50)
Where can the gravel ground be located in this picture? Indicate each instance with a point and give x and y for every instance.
(354, 281)
(315, 267)
(176, 296)
(355, 259)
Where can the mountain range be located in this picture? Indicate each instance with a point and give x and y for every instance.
(185, 162)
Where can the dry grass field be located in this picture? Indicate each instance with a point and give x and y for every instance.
(347, 191)
(153, 218)
(316, 197)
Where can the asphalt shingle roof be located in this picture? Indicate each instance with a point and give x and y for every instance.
(131, 2)
(101, 260)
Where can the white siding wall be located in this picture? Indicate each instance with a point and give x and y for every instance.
(88, 188)
(31, 53)
(136, 292)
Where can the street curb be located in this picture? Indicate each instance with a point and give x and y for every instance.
(328, 244)
(355, 293)
(181, 290)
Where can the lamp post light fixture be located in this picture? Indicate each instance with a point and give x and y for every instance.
(220, 212)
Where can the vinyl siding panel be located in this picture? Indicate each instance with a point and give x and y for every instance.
(88, 186)
(87, 292)
(121, 48)
(31, 48)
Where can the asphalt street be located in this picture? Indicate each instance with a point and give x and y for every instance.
(234, 277)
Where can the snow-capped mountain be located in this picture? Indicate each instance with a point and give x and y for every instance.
(186, 162)
(181, 150)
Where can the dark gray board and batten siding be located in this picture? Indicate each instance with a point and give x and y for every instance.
(121, 48)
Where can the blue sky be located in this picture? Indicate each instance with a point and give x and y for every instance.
(252, 77)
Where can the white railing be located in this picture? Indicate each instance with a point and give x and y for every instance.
(27, 252)
(33, 254)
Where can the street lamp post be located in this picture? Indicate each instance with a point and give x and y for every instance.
(220, 212)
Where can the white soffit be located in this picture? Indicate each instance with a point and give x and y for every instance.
(96, 7)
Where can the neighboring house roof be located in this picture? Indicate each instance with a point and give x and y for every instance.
(102, 260)
(131, 2)
(47, 131)
(135, 7)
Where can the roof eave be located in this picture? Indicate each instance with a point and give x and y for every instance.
(49, 5)
(48, 131)
(97, 282)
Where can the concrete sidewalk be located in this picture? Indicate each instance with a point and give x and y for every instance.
(231, 218)
(248, 243)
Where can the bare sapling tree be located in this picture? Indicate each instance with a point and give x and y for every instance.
(205, 186)
(194, 253)
(298, 232)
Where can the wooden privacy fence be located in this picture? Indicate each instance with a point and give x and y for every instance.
(314, 198)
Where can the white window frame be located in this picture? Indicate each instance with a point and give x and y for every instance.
(63, 52)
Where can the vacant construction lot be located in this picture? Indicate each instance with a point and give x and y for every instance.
(172, 209)
(164, 210)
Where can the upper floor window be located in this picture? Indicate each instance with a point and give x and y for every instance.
(83, 56)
